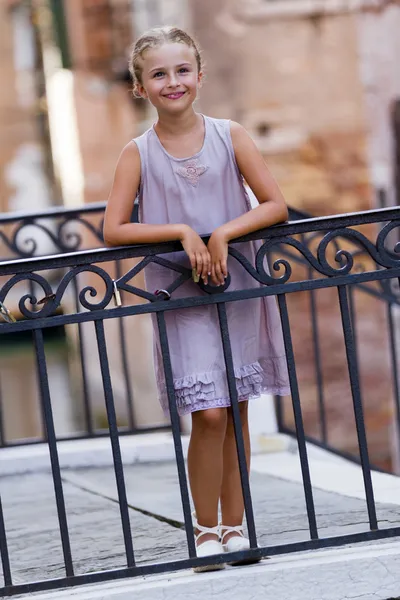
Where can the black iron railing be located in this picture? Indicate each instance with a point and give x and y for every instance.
(331, 265)
(59, 231)
(350, 247)
(28, 235)
(69, 230)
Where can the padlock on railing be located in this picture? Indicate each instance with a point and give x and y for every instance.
(117, 295)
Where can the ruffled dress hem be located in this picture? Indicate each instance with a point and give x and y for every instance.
(202, 391)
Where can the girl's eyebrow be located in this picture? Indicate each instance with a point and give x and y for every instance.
(176, 66)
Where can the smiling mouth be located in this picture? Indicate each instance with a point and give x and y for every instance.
(175, 96)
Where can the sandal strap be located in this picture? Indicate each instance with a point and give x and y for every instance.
(216, 530)
(231, 529)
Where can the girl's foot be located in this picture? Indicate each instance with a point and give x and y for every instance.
(209, 547)
(233, 540)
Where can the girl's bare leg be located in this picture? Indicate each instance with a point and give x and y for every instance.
(205, 463)
(232, 504)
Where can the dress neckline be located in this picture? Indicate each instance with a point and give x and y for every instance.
(194, 156)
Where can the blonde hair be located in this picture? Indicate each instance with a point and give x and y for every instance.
(154, 38)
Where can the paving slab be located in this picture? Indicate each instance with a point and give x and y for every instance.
(95, 531)
(95, 528)
(279, 505)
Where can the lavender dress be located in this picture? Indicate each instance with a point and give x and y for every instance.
(206, 191)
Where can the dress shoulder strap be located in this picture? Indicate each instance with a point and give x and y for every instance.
(142, 143)
(222, 128)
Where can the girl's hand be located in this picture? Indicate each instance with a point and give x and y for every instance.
(197, 252)
(218, 249)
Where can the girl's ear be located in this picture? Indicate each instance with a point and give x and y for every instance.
(140, 91)
(200, 79)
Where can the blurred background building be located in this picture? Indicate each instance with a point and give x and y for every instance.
(316, 84)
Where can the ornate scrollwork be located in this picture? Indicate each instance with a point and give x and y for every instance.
(33, 278)
(310, 250)
(29, 234)
(54, 299)
(71, 241)
(20, 246)
(390, 256)
(363, 248)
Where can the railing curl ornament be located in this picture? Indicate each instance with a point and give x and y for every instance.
(378, 253)
(390, 256)
(24, 310)
(71, 241)
(52, 300)
(280, 263)
(88, 290)
(25, 242)
(27, 247)
(343, 257)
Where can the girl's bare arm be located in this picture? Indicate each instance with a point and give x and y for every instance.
(272, 208)
(118, 229)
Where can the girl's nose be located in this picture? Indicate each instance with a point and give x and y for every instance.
(173, 81)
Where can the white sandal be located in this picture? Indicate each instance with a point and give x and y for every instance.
(237, 543)
(207, 548)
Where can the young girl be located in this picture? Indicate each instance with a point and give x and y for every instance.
(188, 171)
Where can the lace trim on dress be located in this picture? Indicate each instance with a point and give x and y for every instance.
(200, 391)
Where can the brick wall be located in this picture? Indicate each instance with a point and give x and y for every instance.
(295, 82)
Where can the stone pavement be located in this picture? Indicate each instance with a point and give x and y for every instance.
(155, 513)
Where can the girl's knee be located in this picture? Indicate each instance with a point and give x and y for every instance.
(243, 411)
(213, 420)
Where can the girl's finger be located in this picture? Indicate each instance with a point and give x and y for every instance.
(218, 273)
(199, 264)
(224, 268)
(209, 263)
(214, 278)
(222, 275)
(192, 258)
(206, 267)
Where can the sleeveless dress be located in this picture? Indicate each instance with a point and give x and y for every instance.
(206, 191)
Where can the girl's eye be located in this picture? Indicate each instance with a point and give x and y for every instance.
(184, 70)
(158, 74)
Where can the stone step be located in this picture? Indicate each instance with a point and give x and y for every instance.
(366, 573)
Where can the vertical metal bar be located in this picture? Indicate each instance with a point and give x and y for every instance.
(52, 442)
(116, 450)
(125, 367)
(5, 559)
(237, 424)
(298, 417)
(353, 322)
(395, 372)
(180, 463)
(86, 400)
(317, 362)
(357, 404)
(279, 413)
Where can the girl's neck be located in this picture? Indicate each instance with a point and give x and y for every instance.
(177, 124)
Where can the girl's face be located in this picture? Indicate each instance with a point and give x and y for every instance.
(170, 77)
